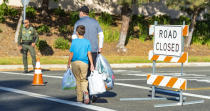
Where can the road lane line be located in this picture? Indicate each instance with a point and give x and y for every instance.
(133, 86)
(45, 97)
(201, 88)
(127, 85)
(129, 79)
(148, 88)
(29, 74)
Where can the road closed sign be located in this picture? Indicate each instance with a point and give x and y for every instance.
(168, 40)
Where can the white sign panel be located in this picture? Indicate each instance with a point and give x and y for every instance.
(168, 40)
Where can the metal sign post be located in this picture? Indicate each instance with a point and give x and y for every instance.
(25, 3)
(182, 64)
(153, 71)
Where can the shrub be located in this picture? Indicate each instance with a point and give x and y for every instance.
(30, 12)
(12, 12)
(63, 29)
(161, 19)
(201, 33)
(61, 43)
(139, 27)
(44, 48)
(74, 16)
(59, 12)
(1, 31)
(92, 14)
(41, 44)
(105, 18)
(3, 9)
(110, 34)
(43, 29)
(181, 19)
(2, 19)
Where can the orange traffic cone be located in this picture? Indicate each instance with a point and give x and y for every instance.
(38, 81)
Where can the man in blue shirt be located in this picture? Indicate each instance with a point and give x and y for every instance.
(80, 52)
(93, 33)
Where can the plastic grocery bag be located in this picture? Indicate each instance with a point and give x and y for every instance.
(104, 68)
(96, 83)
(69, 81)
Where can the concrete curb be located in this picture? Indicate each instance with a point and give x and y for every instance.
(125, 65)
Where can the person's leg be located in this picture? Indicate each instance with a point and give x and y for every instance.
(76, 71)
(33, 56)
(25, 61)
(84, 82)
(94, 56)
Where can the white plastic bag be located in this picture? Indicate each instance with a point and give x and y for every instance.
(96, 83)
(104, 68)
(68, 81)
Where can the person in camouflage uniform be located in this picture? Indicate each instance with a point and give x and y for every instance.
(27, 40)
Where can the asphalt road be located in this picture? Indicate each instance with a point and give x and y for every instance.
(17, 94)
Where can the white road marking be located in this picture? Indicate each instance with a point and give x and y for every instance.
(192, 77)
(29, 74)
(131, 85)
(168, 74)
(148, 88)
(144, 75)
(129, 79)
(128, 85)
(186, 71)
(130, 71)
(41, 96)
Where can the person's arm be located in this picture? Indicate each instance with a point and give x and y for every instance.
(91, 61)
(74, 36)
(19, 39)
(101, 37)
(70, 58)
(35, 38)
(101, 41)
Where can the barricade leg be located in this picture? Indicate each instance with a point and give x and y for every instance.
(180, 103)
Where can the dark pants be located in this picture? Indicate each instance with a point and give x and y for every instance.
(94, 56)
(25, 50)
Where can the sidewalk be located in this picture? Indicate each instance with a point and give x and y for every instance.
(114, 66)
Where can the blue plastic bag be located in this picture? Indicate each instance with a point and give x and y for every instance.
(68, 81)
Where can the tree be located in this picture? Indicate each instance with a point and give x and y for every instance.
(126, 12)
(192, 8)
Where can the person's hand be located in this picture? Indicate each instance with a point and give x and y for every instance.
(20, 47)
(33, 44)
(68, 66)
(100, 50)
(91, 67)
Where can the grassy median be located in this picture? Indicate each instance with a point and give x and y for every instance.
(111, 59)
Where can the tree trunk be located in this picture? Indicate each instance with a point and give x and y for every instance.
(123, 33)
(126, 12)
(192, 27)
(18, 27)
(45, 4)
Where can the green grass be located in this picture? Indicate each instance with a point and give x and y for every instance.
(111, 59)
(111, 33)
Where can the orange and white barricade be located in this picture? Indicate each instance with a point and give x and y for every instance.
(167, 82)
(182, 59)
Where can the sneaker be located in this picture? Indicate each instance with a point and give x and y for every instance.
(25, 71)
(93, 98)
(86, 98)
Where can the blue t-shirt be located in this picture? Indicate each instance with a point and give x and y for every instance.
(80, 49)
(92, 28)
